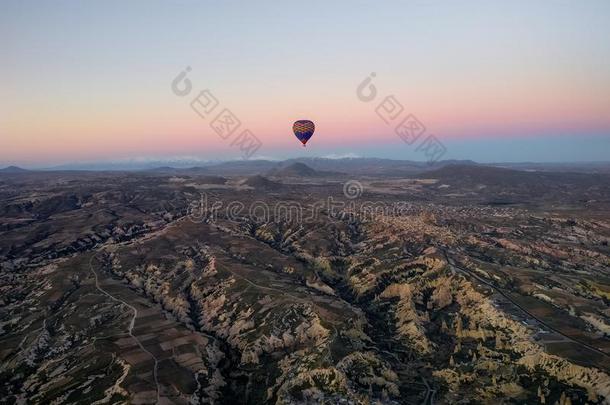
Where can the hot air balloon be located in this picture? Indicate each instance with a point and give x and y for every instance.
(303, 130)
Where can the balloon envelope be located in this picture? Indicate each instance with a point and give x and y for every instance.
(303, 130)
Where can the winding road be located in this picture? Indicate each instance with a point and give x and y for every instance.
(131, 324)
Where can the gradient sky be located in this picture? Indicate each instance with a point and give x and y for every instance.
(494, 81)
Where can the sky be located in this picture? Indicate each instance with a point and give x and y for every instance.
(489, 81)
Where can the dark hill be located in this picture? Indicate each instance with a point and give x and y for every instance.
(211, 180)
(299, 169)
(480, 174)
(468, 175)
(13, 169)
(259, 181)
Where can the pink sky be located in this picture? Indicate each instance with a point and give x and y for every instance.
(93, 82)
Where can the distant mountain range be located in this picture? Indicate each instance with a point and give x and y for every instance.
(313, 167)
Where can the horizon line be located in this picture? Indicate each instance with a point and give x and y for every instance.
(143, 164)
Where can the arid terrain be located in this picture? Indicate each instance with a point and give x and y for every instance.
(322, 282)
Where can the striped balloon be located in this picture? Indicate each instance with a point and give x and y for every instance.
(303, 130)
